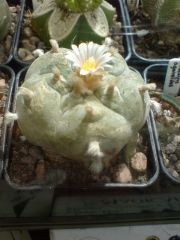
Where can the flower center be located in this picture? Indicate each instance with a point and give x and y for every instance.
(89, 64)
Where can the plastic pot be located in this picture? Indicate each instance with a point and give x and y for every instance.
(22, 201)
(5, 106)
(10, 54)
(27, 5)
(6, 209)
(153, 167)
(138, 58)
(30, 203)
(158, 72)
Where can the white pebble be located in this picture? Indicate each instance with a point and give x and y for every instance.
(38, 52)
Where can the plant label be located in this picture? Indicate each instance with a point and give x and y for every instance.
(172, 80)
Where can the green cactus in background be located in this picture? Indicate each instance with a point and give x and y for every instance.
(165, 16)
(5, 19)
(85, 104)
(78, 5)
(72, 22)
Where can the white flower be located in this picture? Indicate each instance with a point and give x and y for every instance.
(89, 58)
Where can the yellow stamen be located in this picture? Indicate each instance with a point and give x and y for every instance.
(89, 64)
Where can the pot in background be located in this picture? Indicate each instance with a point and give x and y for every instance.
(169, 166)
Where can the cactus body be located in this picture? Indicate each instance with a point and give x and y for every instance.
(78, 5)
(5, 18)
(82, 117)
(165, 16)
(53, 22)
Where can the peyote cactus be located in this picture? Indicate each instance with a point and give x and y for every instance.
(5, 19)
(72, 22)
(165, 16)
(84, 104)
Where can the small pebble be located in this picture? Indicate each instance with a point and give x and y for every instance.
(174, 173)
(35, 152)
(117, 38)
(13, 9)
(169, 139)
(123, 174)
(173, 158)
(21, 53)
(7, 43)
(1, 120)
(142, 32)
(177, 152)
(139, 162)
(160, 43)
(41, 45)
(25, 54)
(40, 169)
(177, 165)
(2, 85)
(27, 45)
(23, 138)
(29, 57)
(177, 139)
(167, 113)
(170, 148)
(12, 28)
(27, 32)
(34, 40)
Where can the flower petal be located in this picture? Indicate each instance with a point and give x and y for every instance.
(104, 58)
(84, 72)
(83, 51)
(94, 49)
(93, 70)
(101, 50)
(81, 57)
(108, 66)
(76, 52)
(90, 48)
(73, 58)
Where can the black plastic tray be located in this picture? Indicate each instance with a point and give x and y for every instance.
(137, 58)
(28, 5)
(158, 71)
(19, 201)
(7, 70)
(11, 51)
(153, 161)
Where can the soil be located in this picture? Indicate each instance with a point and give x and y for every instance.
(151, 45)
(6, 43)
(4, 79)
(29, 165)
(29, 41)
(168, 127)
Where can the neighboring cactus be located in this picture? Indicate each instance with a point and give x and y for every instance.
(78, 5)
(85, 104)
(165, 16)
(5, 19)
(72, 22)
